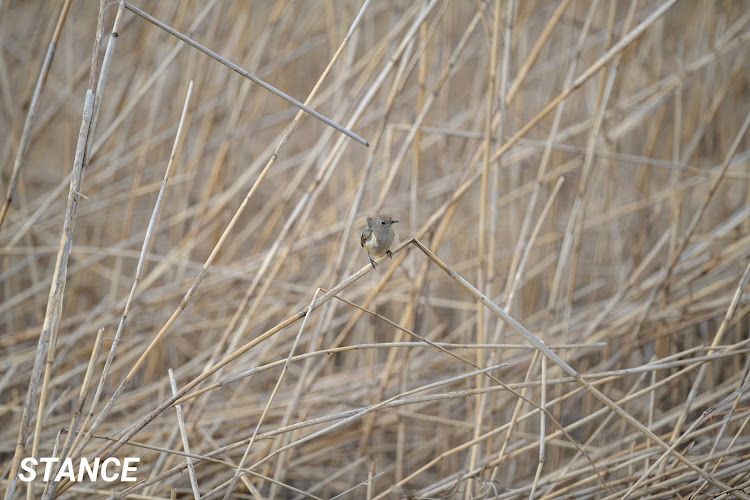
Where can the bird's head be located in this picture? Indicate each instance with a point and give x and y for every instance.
(380, 220)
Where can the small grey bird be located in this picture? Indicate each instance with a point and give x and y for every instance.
(378, 236)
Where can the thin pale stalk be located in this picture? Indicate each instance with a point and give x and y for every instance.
(32, 112)
(229, 64)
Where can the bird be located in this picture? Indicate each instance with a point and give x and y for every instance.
(378, 236)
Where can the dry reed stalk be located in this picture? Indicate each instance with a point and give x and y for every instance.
(484, 228)
(33, 109)
(48, 335)
(183, 435)
(141, 261)
(242, 72)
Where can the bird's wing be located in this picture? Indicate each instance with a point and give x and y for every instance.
(365, 235)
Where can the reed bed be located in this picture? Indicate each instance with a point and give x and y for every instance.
(564, 314)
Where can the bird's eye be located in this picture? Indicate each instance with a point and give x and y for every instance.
(382, 222)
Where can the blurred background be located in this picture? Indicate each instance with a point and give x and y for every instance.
(592, 183)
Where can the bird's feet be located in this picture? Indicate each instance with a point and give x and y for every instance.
(371, 261)
(389, 253)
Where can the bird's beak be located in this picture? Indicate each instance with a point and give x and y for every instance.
(394, 221)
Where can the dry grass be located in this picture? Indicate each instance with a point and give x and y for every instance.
(199, 298)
